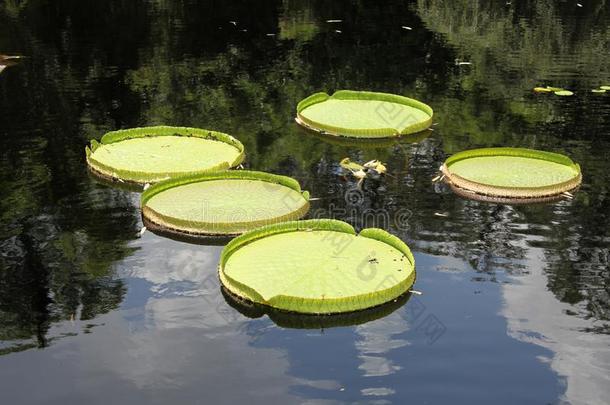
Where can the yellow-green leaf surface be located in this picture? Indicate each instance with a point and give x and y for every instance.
(224, 203)
(364, 114)
(564, 93)
(317, 266)
(507, 167)
(152, 154)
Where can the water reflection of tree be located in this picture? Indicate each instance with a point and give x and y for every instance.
(60, 233)
(514, 48)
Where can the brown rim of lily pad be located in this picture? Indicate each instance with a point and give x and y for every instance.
(223, 204)
(512, 175)
(138, 156)
(179, 236)
(369, 143)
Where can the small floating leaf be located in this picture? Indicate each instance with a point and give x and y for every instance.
(347, 164)
(604, 87)
(334, 21)
(554, 88)
(564, 93)
(542, 90)
(404, 27)
(598, 91)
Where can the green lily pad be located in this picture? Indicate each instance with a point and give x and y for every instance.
(542, 90)
(152, 154)
(598, 91)
(604, 87)
(512, 173)
(222, 203)
(295, 320)
(363, 114)
(317, 267)
(553, 89)
(564, 93)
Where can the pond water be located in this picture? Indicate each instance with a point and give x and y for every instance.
(516, 299)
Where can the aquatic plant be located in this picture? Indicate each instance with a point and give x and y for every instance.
(317, 266)
(152, 154)
(511, 174)
(222, 203)
(363, 114)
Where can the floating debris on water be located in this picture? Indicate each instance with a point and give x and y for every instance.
(334, 21)
(141, 232)
(405, 27)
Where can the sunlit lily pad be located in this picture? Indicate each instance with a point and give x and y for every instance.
(598, 91)
(542, 90)
(524, 175)
(317, 266)
(223, 203)
(604, 87)
(152, 154)
(564, 93)
(554, 89)
(363, 114)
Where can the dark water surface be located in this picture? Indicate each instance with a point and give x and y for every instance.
(515, 305)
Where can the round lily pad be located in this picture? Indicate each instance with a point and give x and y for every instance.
(152, 154)
(317, 267)
(222, 203)
(511, 174)
(363, 114)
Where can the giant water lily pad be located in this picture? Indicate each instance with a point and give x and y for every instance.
(222, 203)
(511, 174)
(317, 267)
(363, 114)
(147, 155)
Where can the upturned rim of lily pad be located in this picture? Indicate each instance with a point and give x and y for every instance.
(140, 178)
(511, 195)
(212, 232)
(294, 320)
(380, 132)
(316, 301)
